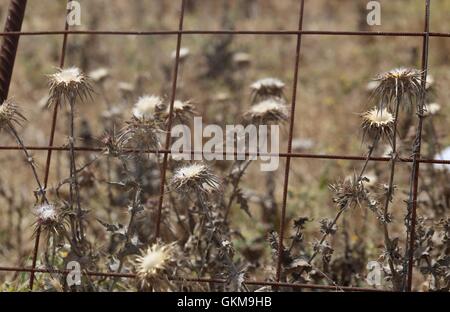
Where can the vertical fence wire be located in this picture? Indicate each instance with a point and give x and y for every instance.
(169, 123)
(49, 151)
(417, 151)
(289, 149)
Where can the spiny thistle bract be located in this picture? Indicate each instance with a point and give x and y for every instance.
(400, 84)
(377, 124)
(272, 110)
(10, 115)
(68, 84)
(148, 107)
(267, 88)
(350, 191)
(153, 263)
(141, 133)
(195, 178)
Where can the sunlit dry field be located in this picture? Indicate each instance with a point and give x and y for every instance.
(345, 215)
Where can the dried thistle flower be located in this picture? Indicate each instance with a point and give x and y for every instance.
(377, 124)
(148, 107)
(47, 217)
(68, 84)
(268, 111)
(242, 59)
(140, 133)
(112, 143)
(182, 111)
(153, 264)
(266, 88)
(349, 191)
(184, 53)
(125, 87)
(222, 97)
(400, 84)
(10, 115)
(195, 178)
(432, 109)
(99, 74)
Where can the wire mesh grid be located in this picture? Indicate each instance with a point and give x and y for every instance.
(11, 36)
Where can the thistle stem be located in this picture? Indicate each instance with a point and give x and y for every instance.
(389, 193)
(30, 162)
(73, 170)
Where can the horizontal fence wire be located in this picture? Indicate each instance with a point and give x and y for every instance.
(415, 160)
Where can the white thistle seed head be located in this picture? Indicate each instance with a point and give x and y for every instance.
(152, 262)
(266, 88)
(148, 106)
(272, 110)
(10, 115)
(403, 84)
(378, 123)
(195, 177)
(99, 75)
(68, 84)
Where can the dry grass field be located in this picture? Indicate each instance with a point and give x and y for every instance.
(119, 193)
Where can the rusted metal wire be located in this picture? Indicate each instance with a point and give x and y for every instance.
(289, 149)
(169, 123)
(8, 50)
(12, 33)
(49, 151)
(416, 156)
(228, 32)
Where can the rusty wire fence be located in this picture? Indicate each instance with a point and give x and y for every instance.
(12, 33)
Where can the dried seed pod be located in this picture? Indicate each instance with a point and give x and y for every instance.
(377, 124)
(68, 84)
(402, 84)
(268, 111)
(267, 88)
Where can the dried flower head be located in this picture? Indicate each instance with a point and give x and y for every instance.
(99, 74)
(350, 191)
(432, 109)
(195, 178)
(153, 263)
(125, 87)
(377, 124)
(68, 84)
(47, 217)
(182, 111)
(10, 115)
(184, 53)
(140, 133)
(242, 59)
(148, 107)
(222, 97)
(402, 84)
(112, 143)
(268, 111)
(266, 88)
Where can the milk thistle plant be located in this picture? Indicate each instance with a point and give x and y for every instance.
(66, 87)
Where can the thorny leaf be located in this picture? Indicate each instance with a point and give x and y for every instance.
(327, 226)
(300, 223)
